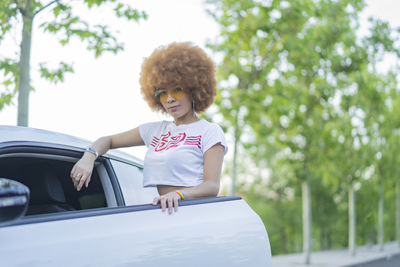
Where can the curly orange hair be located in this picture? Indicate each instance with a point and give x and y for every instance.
(182, 65)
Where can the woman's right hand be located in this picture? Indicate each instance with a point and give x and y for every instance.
(82, 171)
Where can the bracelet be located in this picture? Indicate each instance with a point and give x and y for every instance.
(93, 151)
(180, 193)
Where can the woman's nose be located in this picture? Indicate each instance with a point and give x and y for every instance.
(170, 98)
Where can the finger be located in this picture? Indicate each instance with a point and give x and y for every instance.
(81, 182)
(155, 201)
(77, 178)
(87, 182)
(176, 204)
(169, 205)
(73, 171)
(163, 204)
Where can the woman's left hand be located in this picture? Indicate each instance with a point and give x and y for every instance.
(169, 200)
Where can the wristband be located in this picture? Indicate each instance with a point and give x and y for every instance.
(93, 151)
(180, 193)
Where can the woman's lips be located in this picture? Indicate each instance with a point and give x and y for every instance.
(173, 109)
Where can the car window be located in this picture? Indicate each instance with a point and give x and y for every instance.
(51, 188)
(130, 178)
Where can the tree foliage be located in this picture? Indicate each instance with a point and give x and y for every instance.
(307, 86)
(61, 21)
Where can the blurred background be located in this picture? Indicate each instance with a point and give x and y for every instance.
(308, 97)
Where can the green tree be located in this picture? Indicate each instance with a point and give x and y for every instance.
(280, 61)
(379, 92)
(63, 23)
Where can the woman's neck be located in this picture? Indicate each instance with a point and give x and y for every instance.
(186, 119)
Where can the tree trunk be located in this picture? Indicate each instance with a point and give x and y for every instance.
(380, 218)
(398, 213)
(24, 68)
(322, 237)
(234, 169)
(352, 220)
(283, 239)
(329, 240)
(306, 221)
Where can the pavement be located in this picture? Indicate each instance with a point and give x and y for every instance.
(342, 257)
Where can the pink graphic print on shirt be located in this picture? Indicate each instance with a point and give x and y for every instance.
(166, 141)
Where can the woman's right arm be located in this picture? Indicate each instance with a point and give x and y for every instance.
(82, 170)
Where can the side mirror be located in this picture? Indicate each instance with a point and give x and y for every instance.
(14, 200)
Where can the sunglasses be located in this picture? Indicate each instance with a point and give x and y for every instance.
(162, 94)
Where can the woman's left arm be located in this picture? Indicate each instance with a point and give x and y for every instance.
(213, 159)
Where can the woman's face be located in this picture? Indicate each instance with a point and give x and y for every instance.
(176, 101)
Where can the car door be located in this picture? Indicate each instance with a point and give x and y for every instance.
(209, 231)
(206, 232)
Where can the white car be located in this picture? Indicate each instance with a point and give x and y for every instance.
(112, 222)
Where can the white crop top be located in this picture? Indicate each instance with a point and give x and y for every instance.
(175, 152)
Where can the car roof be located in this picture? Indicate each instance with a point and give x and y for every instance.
(27, 134)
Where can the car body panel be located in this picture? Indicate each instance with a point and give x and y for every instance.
(143, 238)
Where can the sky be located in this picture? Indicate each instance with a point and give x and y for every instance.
(102, 96)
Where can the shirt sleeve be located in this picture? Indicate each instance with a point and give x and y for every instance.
(146, 131)
(213, 135)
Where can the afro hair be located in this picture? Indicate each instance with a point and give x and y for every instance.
(179, 65)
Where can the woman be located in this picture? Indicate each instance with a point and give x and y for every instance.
(184, 157)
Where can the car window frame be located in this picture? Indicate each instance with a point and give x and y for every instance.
(134, 193)
(75, 152)
(26, 147)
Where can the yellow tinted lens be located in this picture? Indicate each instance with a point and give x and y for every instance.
(160, 93)
(175, 93)
(163, 96)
